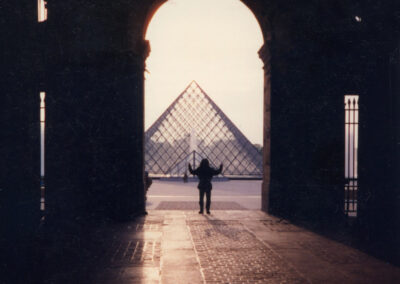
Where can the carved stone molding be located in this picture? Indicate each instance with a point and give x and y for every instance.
(265, 56)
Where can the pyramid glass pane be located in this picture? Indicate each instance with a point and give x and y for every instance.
(193, 128)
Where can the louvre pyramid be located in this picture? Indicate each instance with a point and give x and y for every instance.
(192, 128)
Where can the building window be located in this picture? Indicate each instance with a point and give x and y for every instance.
(42, 148)
(351, 154)
(42, 10)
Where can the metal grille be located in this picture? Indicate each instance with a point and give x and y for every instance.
(192, 128)
(42, 149)
(351, 155)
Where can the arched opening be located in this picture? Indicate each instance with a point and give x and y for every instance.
(216, 45)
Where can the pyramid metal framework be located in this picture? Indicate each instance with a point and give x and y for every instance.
(192, 128)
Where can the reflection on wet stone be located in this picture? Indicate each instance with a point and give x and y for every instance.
(136, 252)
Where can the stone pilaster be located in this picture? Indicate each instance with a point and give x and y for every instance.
(264, 54)
(95, 130)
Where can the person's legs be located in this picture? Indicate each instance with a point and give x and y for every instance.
(208, 201)
(201, 201)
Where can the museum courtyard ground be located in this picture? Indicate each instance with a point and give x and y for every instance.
(233, 244)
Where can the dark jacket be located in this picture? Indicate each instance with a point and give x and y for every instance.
(205, 174)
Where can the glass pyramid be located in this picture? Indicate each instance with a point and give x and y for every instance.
(192, 128)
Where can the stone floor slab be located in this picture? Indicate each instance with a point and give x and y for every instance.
(228, 246)
(194, 205)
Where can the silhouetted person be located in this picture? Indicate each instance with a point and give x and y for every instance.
(185, 178)
(205, 174)
(147, 183)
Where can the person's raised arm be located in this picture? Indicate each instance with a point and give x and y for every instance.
(217, 172)
(190, 169)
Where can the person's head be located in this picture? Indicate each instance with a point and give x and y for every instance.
(204, 163)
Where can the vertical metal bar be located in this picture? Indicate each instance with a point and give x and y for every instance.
(348, 155)
(356, 154)
(354, 136)
(194, 159)
(356, 157)
(345, 155)
(42, 121)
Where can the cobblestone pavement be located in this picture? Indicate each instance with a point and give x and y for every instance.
(229, 253)
(228, 246)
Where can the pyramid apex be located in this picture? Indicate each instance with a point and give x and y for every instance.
(193, 85)
(193, 82)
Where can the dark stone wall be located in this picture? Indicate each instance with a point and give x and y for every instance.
(19, 135)
(395, 90)
(307, 123)
(94, 145)
(89, 58)
(377, 75)
(379, 199)
(319, 54)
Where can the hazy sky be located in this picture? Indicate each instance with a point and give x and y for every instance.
(214, 42)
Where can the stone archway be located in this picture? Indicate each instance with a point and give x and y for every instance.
(93, 55)
(259, 12)
(95, 164)
(95, 161)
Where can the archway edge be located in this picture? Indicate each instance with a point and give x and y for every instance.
(260, 11)
(255, 7)
(154, 6)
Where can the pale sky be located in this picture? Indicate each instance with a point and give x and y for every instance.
(215, 43)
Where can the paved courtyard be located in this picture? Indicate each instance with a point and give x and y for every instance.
(228, 246)
(233, 195)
